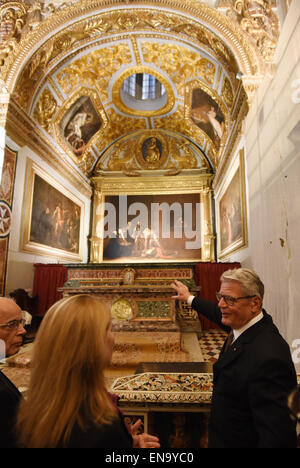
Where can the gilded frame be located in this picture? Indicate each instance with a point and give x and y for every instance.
(160, 187)
(54, 217)
(65, 111)
(210, 96)
(160, 154)
(231, 210)
(146, 245)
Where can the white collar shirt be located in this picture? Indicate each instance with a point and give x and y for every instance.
(237, 332)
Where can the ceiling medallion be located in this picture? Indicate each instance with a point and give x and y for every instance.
(139, 107)
(152, 150)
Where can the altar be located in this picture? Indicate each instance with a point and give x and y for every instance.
(148, 324)
(135, 293)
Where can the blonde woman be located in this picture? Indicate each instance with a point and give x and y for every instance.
(67, 404)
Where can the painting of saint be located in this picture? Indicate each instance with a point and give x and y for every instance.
(80, 124)
(152, 227)
(230, 213)
(55, 220)
(207, 115)
(152, 150)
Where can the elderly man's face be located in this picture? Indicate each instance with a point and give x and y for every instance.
(12, 337)
(243, 310)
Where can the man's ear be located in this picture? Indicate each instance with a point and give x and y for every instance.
(257, 303)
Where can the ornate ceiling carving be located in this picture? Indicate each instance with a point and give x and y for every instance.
(147, 150)
(50, 56)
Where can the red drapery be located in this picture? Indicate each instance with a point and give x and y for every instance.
(47, 278)
(207, 276)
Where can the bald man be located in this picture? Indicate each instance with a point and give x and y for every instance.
(11, 337)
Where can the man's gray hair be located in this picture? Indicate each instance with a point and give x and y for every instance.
(250, 281)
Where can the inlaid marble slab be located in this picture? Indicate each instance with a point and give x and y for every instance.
(165, 388)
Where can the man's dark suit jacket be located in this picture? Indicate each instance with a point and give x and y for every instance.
(252, 381)
(9, 401)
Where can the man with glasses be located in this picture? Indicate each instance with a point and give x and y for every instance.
(11, 337)
(254, 373)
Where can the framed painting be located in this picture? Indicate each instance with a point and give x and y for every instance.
(6, 200)
(79, 125)
(231, 210)
(54, 217)
(79, 121)
(207, 115)
(157, 227)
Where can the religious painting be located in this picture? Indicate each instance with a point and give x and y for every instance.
(54, 217)
(6, 199)
(79, 124)
(207, 115)
(232, 232)
(152, 227)
(152, 150)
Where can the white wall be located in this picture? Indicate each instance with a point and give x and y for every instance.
(272, 146)
(20, 270)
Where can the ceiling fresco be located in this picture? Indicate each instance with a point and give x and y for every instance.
(63, 67)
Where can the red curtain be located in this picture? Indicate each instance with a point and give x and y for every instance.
(47, 278)
(207, 276)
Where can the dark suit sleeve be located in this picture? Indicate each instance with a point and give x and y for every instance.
(268, 394)
(8, 410)
(210, 310)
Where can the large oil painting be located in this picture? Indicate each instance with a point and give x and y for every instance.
(152, 227)
(232, 231)
(207, 115)
(54, 218)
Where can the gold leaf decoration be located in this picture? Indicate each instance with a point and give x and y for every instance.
(94, 69)
(45, 109)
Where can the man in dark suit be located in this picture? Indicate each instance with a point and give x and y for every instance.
(254, 373)
(11, 337)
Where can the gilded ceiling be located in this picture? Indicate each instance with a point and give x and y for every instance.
(63, 66)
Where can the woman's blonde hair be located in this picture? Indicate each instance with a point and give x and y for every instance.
(67, 380)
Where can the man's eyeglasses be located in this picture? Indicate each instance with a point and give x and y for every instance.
(231, 300)
(13, 324)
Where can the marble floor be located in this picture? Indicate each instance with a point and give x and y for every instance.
(211, 342)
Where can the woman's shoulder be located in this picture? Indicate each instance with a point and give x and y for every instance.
(113, 435)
